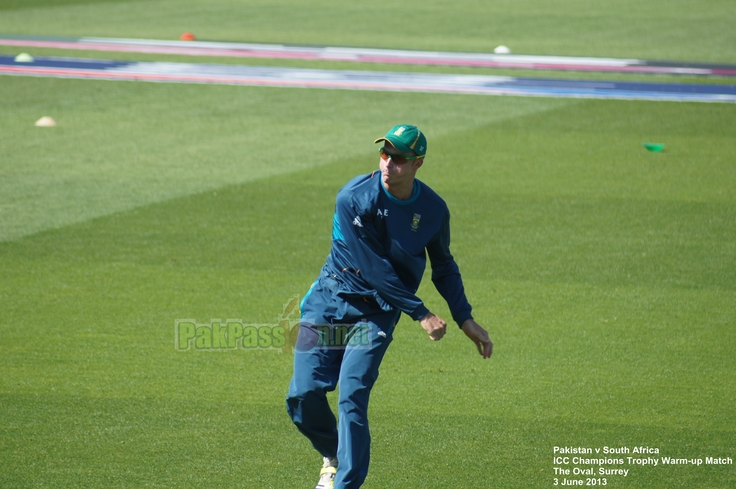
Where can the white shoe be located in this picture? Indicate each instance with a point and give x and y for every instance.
(327, 474)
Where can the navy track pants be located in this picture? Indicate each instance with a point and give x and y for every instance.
(341, 340)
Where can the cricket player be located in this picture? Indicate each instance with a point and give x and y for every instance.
(385, 225)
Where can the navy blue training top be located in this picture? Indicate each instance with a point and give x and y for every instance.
(379, 243)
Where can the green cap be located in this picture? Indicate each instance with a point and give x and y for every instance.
(407, 139)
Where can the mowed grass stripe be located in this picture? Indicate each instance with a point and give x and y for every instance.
(659, 30)
(123, 145)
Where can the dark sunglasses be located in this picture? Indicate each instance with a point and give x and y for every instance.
(397, 159)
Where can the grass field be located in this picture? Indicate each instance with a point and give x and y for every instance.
(678, 29)
(605, 274)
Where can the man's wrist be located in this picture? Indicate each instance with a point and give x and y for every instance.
(464, 321)
(461, 317)
(419, 313)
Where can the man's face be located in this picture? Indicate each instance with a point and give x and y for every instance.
(399, 170)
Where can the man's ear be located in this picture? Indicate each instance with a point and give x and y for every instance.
(418, 163)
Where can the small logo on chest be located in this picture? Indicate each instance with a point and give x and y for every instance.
(415, 222)
(382, 213)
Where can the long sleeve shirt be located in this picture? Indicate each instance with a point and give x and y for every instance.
(380, 246)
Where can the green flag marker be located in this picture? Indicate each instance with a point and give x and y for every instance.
(654, 147)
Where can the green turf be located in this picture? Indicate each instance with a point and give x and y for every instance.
(655, 29)
(7, 5)
(121, 145)
(604, 272)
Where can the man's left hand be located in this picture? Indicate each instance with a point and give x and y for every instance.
(479, 336)
(435, 326)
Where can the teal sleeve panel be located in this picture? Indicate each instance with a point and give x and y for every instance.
(336, 230)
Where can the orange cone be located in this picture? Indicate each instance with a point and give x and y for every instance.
(187, 36)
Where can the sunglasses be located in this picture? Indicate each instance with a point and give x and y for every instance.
(397, 159)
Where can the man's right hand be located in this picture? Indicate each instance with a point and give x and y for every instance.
(434, 326)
